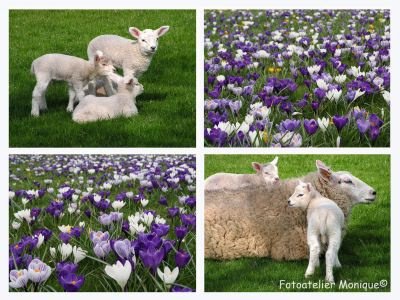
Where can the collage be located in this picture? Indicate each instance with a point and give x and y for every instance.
(233, 149)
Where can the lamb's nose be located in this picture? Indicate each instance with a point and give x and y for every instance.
(153, 48)
(373, 192)
(276, 178)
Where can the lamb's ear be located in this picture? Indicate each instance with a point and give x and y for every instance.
(323, 170)
(256, 166)
(275, 161)
(98, 56)
(309, 187)
(130, 82)
(135, 32)
(162, 30)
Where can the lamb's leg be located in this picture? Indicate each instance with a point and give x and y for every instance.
(108, 86)
(38, 96)
(76, 94)
(72, 95)
(331, 256)
(315, 249)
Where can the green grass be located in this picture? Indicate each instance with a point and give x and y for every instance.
(365, 251)
(166, 108)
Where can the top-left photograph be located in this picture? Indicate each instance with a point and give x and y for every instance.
(102, 78)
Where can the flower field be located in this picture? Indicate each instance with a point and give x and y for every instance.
(102, 223)
(297, 78)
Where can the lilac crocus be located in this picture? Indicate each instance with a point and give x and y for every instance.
(123, 248)
(38, 271)
(99, 236)
(362, 125)
(102, 249)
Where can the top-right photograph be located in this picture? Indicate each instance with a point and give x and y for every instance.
(297, 78)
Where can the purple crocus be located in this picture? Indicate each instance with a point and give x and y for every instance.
(374, 132)
(173, 211)
(180, 289)
(180, 232)
(152, 258)
(71, 282)
(362, 125)
(182, 258)
(340, 121)
(311, 126)
(64, 268)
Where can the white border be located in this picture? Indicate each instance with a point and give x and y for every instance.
(199, 5)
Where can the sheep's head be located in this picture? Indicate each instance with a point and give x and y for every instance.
(132, 85)
(354, 188)
(103, 65)
(302, 195)
(148, 38)
(269, 171)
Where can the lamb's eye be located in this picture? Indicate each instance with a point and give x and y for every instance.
(348, 181)
(266, 173)
(300, 195)
(143, 40)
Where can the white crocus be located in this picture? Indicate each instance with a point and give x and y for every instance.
(135, 228)
(24, 214)
(358, 94)
(96, 198)
(244, 127)
(386, 96)
(322, 84)
(53, 252)
(254, 138)
(117, 205)
(340, 78)
(65, 250)
(119, 272)
(144, 202)
(78, 253)
(65, 228)
(82, 224)
(75, 197)
(40, 240)
(11, 195)
(323, 123)
(333, 94)
(220, 78)
(249, 119)
(16, 225)
(168, 276)
(313, 69)
(148, 218)
(24, 201)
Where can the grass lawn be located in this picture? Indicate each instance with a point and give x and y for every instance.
(364, 254)
(170, 90)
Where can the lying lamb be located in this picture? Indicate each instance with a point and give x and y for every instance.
(93, 108)
(265, 226)
(77, 72)
(134, 57)
(325, 222)
(265, 174)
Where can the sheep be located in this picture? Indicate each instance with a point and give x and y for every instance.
(325, 222)
(133, 57)
(265, 174)
(76, 71)
(93, 108)
(265, 226)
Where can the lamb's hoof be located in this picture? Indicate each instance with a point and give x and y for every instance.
(70, 109)
(308, 274)
(34, 113)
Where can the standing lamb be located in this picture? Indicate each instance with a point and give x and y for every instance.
(265, 174)
(76, 71)
(265, 226)
(93, 108)
(133, 57)
(325, 222)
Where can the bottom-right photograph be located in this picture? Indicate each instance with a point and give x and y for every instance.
(292, 223)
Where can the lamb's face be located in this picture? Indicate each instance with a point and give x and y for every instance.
(354, 188)
(138, 89)
(357, 190)
(269, 171)
(301, 195)
(148, 38)
(103, 65)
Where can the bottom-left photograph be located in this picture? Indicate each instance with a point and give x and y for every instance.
(102, 223)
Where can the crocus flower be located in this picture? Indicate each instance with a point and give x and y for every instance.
(323, 123)
(182, 258)
(119, 272)
(78, 253)
(180, 289)
(102, 249)
(123, 248)
(151, 257)
(65, 250)
(374, 132)
(38, 271)
(311, 126)
(362, 125)
(18, 278)
(180, 232)
(64, 268)
(71, 282)
(117, 205)
(340, 121)
(99, 236)
(168, 276)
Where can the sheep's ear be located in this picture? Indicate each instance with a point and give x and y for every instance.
(162, 30)
(323, 170)
(135, 32)
(256, 166)
(309, 187)
(275, 161)
(130, 82)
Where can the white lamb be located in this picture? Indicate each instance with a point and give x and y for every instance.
(265, 174)
(133, 57)
(93, 108)
(76, 71)
(325, 222)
